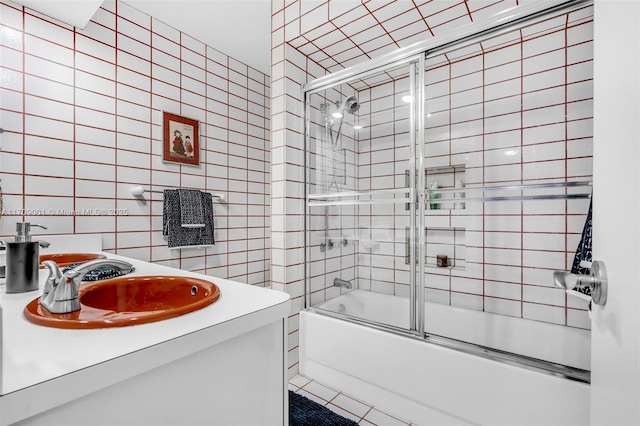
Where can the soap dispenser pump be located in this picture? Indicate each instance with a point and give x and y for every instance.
(23, 260)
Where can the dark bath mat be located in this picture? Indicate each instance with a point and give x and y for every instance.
(305, 412)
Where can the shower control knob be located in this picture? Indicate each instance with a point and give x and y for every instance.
(596, 281)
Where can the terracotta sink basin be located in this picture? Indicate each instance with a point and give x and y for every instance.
(66, 259)
(126, 301)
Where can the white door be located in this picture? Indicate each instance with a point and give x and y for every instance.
(615, 353)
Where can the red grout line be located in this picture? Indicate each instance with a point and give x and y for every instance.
(24, 118)
(522, 244)
(117, 144)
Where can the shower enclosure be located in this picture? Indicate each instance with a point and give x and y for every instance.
(457, 173)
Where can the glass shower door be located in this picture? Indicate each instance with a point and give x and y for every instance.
(508, 153)
(362, 155)
(458, 181)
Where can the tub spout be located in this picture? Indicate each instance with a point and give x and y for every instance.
(339, 282)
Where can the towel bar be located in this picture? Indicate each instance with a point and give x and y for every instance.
(139, 191)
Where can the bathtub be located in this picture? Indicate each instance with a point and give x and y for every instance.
(434, 382)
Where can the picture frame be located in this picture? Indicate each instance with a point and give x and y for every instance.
(181, 139)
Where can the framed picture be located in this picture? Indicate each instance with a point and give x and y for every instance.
(181, 141)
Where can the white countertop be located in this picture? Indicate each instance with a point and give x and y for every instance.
(33, 354)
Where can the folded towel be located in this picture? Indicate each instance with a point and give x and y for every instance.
(183, 237)
(583, 252)
(191, 212)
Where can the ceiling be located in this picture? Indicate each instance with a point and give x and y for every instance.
(238, 28)
(344, 33)
(333, 33)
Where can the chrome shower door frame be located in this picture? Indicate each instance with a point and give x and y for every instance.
(411, 196)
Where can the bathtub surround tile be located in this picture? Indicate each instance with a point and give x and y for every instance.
(490, 116)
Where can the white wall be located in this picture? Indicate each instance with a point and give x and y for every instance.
(615, 352)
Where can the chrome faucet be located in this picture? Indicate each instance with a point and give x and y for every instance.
(60, 293)
(339, 282)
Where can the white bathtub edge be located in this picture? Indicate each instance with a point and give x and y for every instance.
(447, 387)
(394, 405)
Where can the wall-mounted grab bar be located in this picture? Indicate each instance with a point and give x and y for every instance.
(138, 191)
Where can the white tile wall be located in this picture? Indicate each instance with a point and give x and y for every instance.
(91, 102)
(491, 116)
(544, 156)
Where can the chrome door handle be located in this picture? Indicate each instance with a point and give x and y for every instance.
(596, 281)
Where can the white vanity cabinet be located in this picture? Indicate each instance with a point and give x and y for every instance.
(224, 364)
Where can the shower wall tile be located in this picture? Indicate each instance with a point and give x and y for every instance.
(503, 306)
(524, 138)
(481, 119)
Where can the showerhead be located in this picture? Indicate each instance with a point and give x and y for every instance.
(350, 105)
(337, 110)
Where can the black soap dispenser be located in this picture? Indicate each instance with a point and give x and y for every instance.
(22, 260)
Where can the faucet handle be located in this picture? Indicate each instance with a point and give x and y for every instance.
(54, 278)
(63, 298)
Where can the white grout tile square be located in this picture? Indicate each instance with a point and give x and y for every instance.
(11, 58)
(544, 80)
(48, 147)
(448, 19)
(46, 30)
(344, 413)
(368, 34)
(10, 17)
(94, 83)
(380, 418)
(312, 397)
(190, 43)
(540, 45)
(357, 408)
(321, 391)
(134, 31)
(403, 20)
(193, 58)
(503, 306)
(503, 55)
(97, 34)
(552, 314)
(48, 69)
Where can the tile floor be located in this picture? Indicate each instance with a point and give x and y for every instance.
(345, 405)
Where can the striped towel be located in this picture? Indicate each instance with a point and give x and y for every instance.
(583, 252)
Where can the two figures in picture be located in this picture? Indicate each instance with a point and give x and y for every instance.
(182, 146)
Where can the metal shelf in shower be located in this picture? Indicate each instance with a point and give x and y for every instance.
(450, 194)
